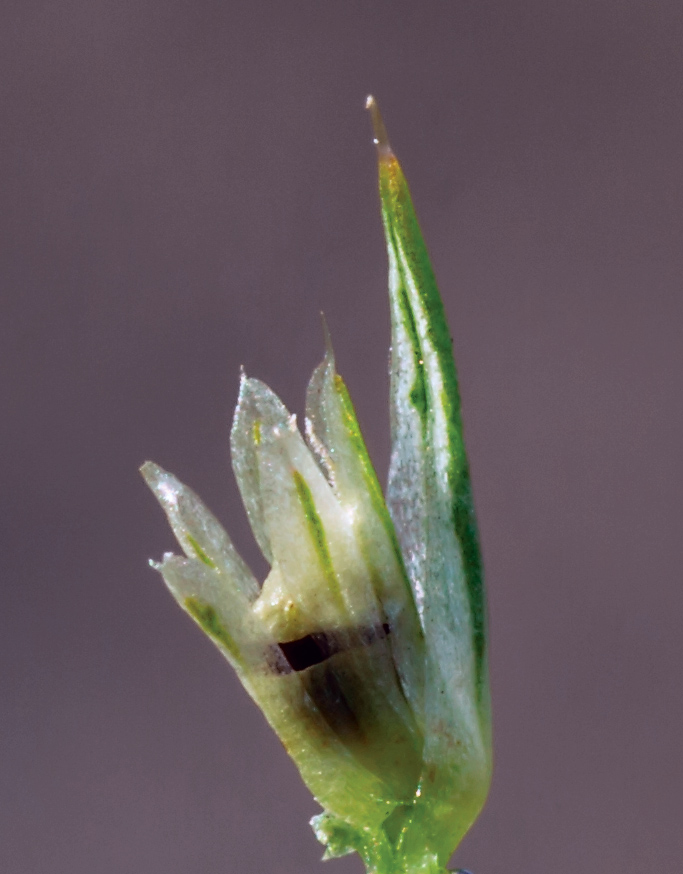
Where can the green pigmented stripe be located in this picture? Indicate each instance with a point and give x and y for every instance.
(356, 439)
(207, 617)
(256, 431)
(466, 529)
(418, 393)
(377, 498)
(199, 552)
(410, 253)
(318, 536)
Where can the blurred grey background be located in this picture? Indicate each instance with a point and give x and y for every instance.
(185, 185)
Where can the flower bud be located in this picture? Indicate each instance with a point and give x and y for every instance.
(365, 645)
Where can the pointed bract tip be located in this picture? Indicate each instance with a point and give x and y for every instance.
(381, 140)
(151, 472)
(244, 379)
(329, 351)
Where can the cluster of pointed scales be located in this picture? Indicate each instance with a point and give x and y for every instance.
(330, 646)
(365, 645)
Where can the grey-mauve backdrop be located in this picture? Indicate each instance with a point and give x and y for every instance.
(185, 185)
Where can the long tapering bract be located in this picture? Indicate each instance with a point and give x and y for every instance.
(430, 501)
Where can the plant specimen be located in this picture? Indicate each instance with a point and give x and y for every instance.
(365, 647)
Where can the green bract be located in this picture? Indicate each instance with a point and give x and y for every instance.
(365, 647)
